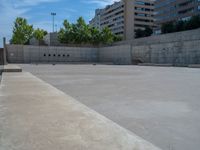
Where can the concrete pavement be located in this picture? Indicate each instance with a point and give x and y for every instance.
(36, 116)
(160, 104)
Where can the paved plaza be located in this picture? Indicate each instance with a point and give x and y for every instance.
(36, 116)
(160, 104)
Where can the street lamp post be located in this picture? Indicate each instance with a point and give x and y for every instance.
(53, 15)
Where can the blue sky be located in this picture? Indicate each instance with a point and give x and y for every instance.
(37, 12)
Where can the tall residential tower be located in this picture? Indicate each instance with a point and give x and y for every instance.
(124, 17)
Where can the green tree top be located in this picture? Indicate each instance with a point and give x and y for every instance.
(107, 36)
(22, 31)
(39, 34)
(180, 25)
(81, 33)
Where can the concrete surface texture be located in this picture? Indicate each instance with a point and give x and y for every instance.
(160, 104)
(36, 116)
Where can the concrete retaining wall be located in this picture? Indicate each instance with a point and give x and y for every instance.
(32, 54)
(181, 53)
(120, 55)
(178, 49)
(44, 54)
(189, 35)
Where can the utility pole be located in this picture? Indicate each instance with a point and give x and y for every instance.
(4, 51)
(53, 15)
(56, 27)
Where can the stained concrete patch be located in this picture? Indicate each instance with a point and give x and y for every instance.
(37, 116)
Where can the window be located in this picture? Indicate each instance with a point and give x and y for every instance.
(140, 3)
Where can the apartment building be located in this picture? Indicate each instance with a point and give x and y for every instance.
(171, 10)
(95, 22)
(111, 16)
(134, 14)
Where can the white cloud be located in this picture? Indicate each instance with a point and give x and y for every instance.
(25, 3)
(101, 3)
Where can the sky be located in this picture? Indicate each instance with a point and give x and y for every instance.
(37, 12)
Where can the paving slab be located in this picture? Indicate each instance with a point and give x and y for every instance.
(36, 116)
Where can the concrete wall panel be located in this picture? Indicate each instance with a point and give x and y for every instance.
(117, 54)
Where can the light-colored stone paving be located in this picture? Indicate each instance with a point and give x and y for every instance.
(36, 116)
(160, 104)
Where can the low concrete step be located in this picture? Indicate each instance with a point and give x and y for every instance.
(36, 116)
(11, 68)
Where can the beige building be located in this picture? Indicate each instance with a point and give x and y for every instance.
(111, 16)
(124, 17)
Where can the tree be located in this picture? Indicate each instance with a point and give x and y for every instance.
(139, 33)
(22, 31)
(117, 38)
(107, 36)
(168, 27)
(148, 31)
(143, 33)
(193, 23)
(95, 36)
(81, 33)
(39, 34)
(180, 26)
(65, 34)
